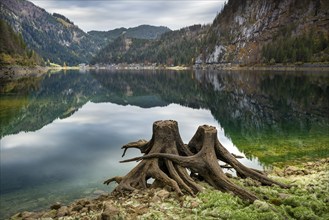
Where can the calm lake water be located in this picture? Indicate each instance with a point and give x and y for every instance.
(61, 133)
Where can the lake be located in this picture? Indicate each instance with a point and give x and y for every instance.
(61, 133)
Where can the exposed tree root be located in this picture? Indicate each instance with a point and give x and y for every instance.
(166, 160)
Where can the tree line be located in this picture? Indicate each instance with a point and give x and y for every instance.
(173, 48)
(309, 47)
(13, 49)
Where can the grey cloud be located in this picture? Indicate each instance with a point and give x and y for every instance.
(111, 14)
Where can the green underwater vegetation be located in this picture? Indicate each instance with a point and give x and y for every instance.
(306, 199)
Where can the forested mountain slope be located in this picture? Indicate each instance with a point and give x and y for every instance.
(13, 50)
(244, 32)
(58, 39)
(54, 37)
(140, 32)
(172, 48)
(256, 31)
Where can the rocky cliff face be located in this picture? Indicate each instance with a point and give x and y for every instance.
(243, 27)
(53, 37)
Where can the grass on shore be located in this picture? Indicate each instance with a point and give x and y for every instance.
(307, 199)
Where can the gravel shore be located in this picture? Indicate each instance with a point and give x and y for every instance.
(308, 198)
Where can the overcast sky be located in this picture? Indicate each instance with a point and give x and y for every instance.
(110, 14)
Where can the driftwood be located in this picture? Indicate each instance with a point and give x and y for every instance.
(167, 160)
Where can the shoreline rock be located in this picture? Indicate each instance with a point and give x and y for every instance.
(15, 72)
(163, 204)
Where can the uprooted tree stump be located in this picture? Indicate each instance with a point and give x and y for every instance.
(167, 160)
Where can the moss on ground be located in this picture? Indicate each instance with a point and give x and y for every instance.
(307, 199)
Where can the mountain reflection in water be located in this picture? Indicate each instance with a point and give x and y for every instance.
(61, 133)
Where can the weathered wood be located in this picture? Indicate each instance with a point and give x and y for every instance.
(142, 145)
(166, 160)
(165, 139)
(243, 171)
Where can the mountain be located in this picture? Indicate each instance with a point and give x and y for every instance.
(146, 32)
(54, 37)
(107, 36)
(256, 31)
(171, 48)
(13, 49)
(140, 32)
(244, 32)
(58, 39)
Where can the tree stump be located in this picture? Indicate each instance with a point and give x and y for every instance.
(167, 160)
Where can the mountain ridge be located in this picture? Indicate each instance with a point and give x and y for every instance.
(57, 39)
(171, 48)
(244, 32)
(47, 35)
(143, 31)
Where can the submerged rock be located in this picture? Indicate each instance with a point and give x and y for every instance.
(99, 192)
(56, 206)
